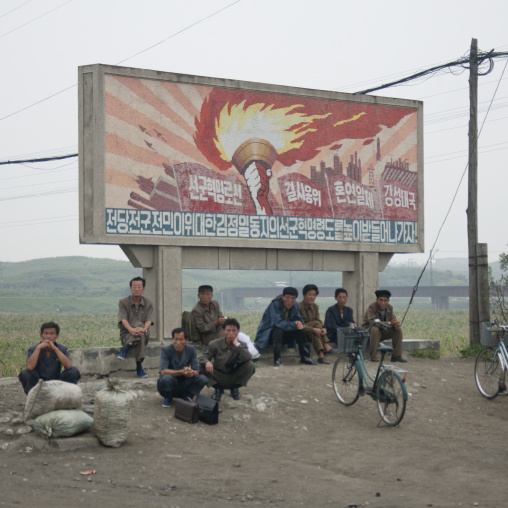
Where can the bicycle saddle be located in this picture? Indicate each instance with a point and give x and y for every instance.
(383, 348)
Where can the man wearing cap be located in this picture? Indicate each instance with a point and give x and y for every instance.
(314, 328)
(383, 311)
(282, 323)
(208, 316)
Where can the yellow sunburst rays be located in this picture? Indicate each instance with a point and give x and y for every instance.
(237, 124)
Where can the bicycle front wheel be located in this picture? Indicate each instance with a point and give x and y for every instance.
(345, 380)
(488, 372)
(391, 397)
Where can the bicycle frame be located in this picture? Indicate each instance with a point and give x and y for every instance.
(363, 373)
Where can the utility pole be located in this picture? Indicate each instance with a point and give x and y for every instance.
(472, 212)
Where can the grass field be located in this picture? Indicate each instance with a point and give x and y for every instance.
(20, 331)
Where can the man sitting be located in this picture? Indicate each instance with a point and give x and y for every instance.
(382, 310)
(314, 328)
(282, 323)
(338, 316)
(208, 316)
(229, 362)
(46, 359)
(134, 320)
(179, 370)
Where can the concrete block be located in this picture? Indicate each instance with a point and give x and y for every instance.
(103, 360)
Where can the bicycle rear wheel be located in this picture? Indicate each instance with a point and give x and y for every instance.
(391, 397)
(345, 380)
(488, 372)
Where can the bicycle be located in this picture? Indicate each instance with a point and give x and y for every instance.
(351, 379)
(492, 362)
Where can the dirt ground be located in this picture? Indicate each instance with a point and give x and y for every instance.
(287, 442)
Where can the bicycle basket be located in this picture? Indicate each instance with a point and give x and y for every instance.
(348, 339)
(490, 333)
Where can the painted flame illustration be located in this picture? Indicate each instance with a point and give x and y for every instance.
(283, 128)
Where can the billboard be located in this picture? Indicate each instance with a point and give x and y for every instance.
(168, 159)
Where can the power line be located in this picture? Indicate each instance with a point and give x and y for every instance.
(124, 60)
(461, 62)
(415, 289)
(35, 19)
(15, 9)
(43, 159)
(179, 32)
(39, 194)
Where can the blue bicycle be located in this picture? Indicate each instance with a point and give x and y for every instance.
(492, 361)
(350, 378)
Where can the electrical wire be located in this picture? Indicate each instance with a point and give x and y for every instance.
(15, 9)
(35, 19)
(124, 60)
(461, 62)
(415, 288)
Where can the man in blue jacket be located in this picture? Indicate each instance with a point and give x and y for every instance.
(282, 323)
(179, 370)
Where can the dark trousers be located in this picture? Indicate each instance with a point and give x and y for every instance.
(181, 386)
(236, 378)
(278, 336)
(29, 378)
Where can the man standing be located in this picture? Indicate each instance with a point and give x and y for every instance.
(313, 327)
(382, 310)
(179, 370)
(338, 316)
(46, 359)
(208, 316)
(282, 323)
(229, 362)
(134, 320)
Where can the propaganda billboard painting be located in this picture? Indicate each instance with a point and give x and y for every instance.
(191, 160)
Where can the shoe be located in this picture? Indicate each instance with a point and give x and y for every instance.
(141, 373)
(167, 402)
(332, 351)
(398, 359)
(235, 393)
(323, 361)
(307, 360)
(277, 363)
(218, 393)
(122, 355)
(376, 360)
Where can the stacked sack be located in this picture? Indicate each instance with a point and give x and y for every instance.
(54, 406)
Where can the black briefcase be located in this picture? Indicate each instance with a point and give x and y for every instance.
(208, 409)
(186, 410)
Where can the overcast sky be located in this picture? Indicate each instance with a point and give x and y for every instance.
(320, 44)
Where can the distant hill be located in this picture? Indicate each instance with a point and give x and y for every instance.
(93, 285)
(77, 284)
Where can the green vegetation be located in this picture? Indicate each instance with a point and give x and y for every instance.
(89, 285)
(498, 289)
(19, 332)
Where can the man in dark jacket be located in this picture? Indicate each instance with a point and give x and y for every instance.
(46, 359)
(282, 323)
(338, 316)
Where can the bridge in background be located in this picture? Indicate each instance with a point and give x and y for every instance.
(234, 298)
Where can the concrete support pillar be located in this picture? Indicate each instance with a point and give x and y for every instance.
(362, 282)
